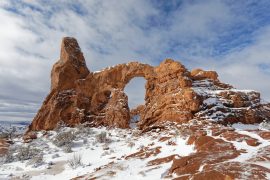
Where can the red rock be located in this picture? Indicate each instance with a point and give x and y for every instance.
(137, 111)
(145, 153)
(264, 134)
(252, 142)
(216, 131)
(199, 74)
(3, 147)
(234, 136)
(191, 140)
(233, 170)
(162, 139)
(29, 137)
(78, 95)
(163, 160)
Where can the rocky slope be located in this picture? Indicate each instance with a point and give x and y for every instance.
(198, 149)
(192, 126)
(172, 94)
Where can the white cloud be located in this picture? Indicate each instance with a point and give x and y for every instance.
(112, 32)
(244, 68)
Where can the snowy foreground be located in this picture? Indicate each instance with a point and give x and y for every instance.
(107, 153)
(94, 153)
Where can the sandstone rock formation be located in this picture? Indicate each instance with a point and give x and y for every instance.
(172, 94)
(3, 146)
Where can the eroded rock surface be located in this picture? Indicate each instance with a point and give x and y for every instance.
(172, 94)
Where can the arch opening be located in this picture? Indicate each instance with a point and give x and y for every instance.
(135, 90)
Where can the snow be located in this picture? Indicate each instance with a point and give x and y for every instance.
(107, 68)
(241, 126)
(210, 101)
(214, 101)
(251, 151)
(94, 156)
(124, 142)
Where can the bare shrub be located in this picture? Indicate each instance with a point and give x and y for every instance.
(136, 133)
(3, 135)
(265, 125)
(106, 146)
(131, 144)
(36, 161)
(8, 157)
(8, 133)
(67, 148)
(26, 153)
(88, 131)
(60, 125)
(85, 140)
(64, 138)
(55, 156)
(171, 142)
(102, 138)
(82, 130)
(141, 147)
(75, 161)
(80, 127)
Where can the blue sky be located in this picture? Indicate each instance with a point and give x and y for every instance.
(231, 37)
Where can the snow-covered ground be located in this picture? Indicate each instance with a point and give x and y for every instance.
(113, 153)
(118, 145)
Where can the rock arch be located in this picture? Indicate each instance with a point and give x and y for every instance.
(78, 95)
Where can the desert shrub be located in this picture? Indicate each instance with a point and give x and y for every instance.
(265, 125)
(3, 135)
(82, 130)
(8, 132)
(141, 147)
(55, 156)
(67, 148)
(131, 144)
(85, 140)
(136, 133)
(75, 161)
(88, 131)
(60, 125)
(36, 161)
(26, 153)
(102, 138)
(2, 160)
(171, 142)
(7, 158)
(64, 138)
(105, 146)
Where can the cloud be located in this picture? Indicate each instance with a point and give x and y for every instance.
(249, 67)
(230, 37)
